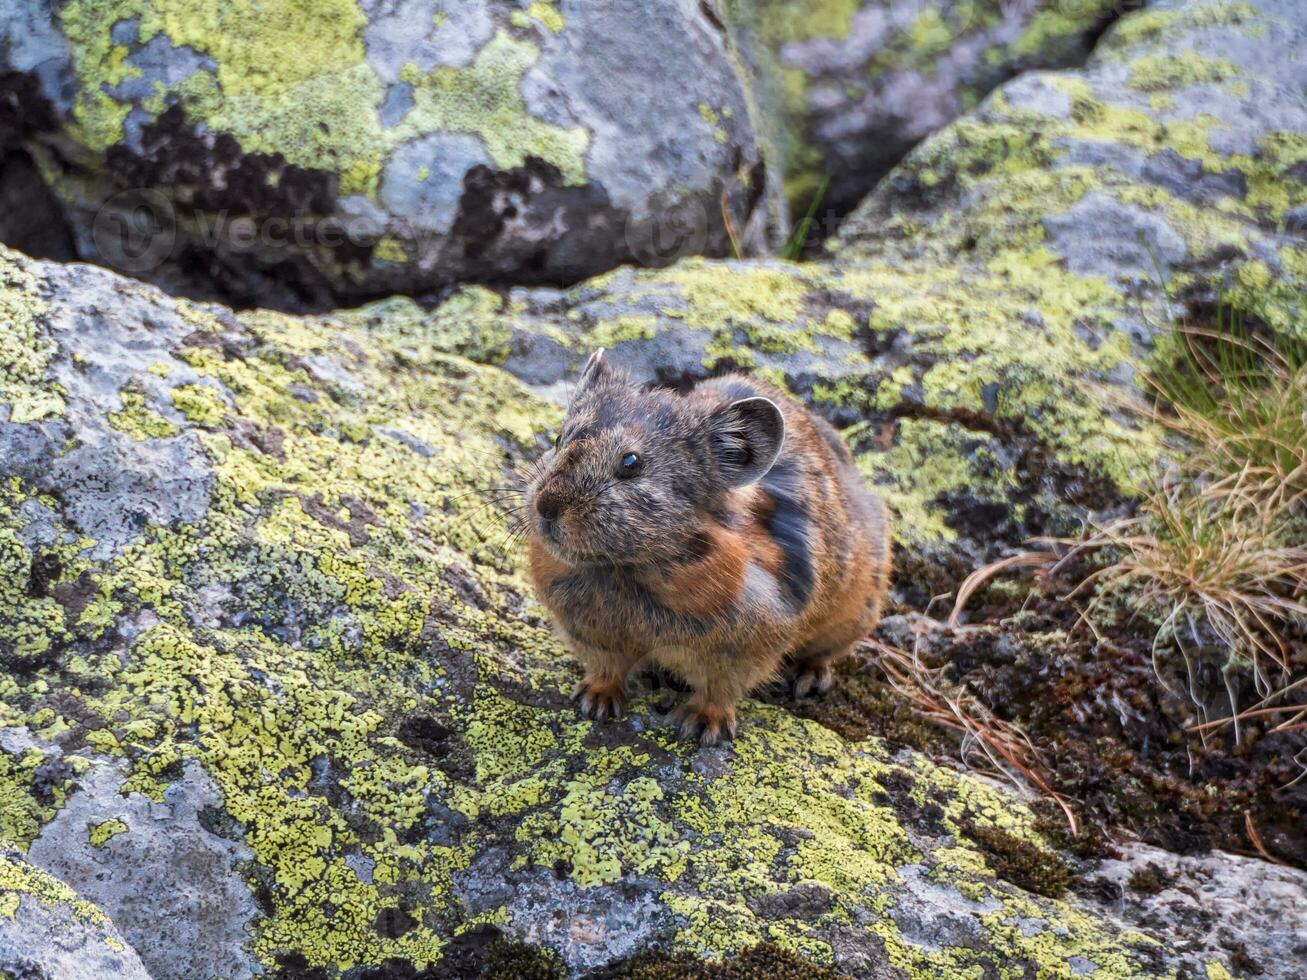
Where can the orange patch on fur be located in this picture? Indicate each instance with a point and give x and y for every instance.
(711, 584)
(762, 546)
(545, 568)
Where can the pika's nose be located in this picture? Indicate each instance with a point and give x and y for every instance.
(549, 506)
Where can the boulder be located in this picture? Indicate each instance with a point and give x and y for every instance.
(301, 155)
(275, 688)
(847, 87)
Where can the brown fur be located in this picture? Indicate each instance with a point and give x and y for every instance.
(713, 560)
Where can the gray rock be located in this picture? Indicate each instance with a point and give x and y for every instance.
(588, 927)
(1037, 92)
(423, 179)
(157, 62)
(48, 931)
(850, 88)
(1215, 903)
(1099, 236)
(33, 45)
(115, 484)
(505, 142)
(1143, 201)
(425, 33)
(169, 883)
(399, 100)
(1188, 179)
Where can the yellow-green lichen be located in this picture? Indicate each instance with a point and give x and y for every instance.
(27, 350)
(610, 822)
(201, 404)
(471, 323)
(291, 78)
(1157, 73)
(21, 814)
(20, 879)
(34, 623)
(484, 100)
(105, 831)
(1055, 26)
(546, 13)
(138, 419)
(628, 326)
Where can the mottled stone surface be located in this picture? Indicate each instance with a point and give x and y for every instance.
(252, 583)
(324, 716)
(1213, 901)
(48, 931)
(159, 869)
(847, 87)
(306, 153)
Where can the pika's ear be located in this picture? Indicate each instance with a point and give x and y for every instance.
(746, 439)
(596, 369)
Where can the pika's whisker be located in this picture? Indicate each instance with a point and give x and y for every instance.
(498, 491)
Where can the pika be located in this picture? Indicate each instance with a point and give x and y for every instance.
(723, 534)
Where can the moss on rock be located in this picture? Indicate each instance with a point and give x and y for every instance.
(762, 962)
(1022, 862)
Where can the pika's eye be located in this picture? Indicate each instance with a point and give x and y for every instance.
(630, 465)
(558, 439)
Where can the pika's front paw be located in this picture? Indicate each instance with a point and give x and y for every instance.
(705, 722)
(599, 697)
(813, 676)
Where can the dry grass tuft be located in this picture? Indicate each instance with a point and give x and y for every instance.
(1218, 549)
(988, 743)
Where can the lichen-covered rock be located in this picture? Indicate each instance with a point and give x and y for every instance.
(977, 327)
(1169, 171)
(325, 677)
(48, 931)
(256, 583)
(162, 869)
(847, 87)
(300, 153)
(1244, 905)
(1080, 215)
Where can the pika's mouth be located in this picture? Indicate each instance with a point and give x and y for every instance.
(551, 536)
